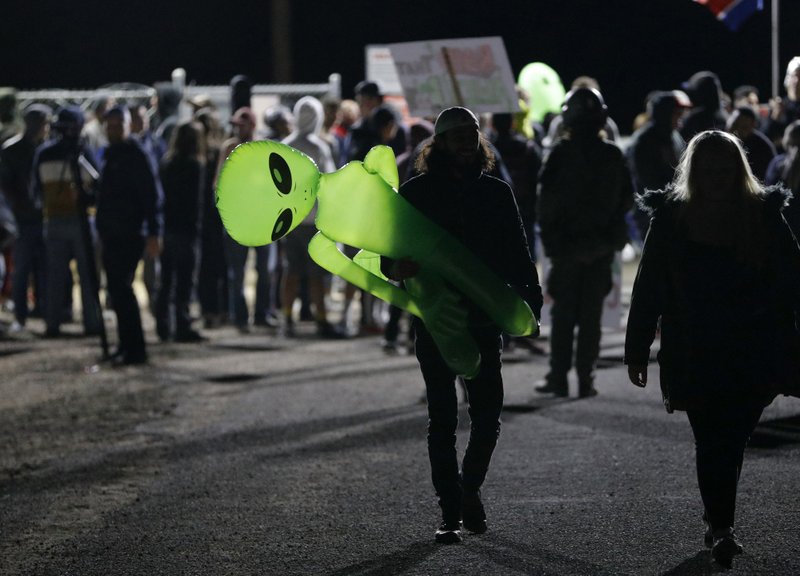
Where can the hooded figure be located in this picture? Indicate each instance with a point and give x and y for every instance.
(705, 91)
(656, 147)
(308, 115)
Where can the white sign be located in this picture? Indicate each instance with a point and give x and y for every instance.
(381, 69)
(471, 72)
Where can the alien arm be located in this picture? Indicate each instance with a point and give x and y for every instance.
(324, 252)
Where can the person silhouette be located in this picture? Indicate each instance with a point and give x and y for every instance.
(720, 277)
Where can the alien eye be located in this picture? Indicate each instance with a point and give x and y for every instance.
(281, 175)
(282, 224)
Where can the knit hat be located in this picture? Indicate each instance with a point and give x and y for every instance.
(368, 88)
(69, 118)
(455, 117)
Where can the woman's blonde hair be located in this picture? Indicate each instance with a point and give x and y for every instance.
(685, 186)
(747, 193)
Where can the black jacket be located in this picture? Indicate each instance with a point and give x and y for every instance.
(182, 182)
(585, 190)
(128, 202)
(653, 155)
(722, 323)
(480, 211)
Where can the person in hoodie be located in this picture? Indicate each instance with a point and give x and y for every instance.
(308, 114)
(655, 149)
(705, 91)
(720, 278)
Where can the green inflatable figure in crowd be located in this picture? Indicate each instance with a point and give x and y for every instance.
(265, 189)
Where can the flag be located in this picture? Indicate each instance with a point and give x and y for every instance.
(732, 13)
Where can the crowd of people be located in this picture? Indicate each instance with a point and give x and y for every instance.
(716, 224)
(55, 166)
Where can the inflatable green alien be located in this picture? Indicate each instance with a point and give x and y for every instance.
(265, 189)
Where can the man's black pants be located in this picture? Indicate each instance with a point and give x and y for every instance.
(485, 395)
(121, 255)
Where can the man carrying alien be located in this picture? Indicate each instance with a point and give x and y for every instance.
(453, 236)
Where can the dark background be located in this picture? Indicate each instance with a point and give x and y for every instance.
(630, 46)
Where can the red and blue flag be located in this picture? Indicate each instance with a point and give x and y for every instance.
(733, 13)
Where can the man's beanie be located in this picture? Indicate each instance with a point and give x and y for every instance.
(455, 117)
(69, 117)
(368, 88)
(37, 115)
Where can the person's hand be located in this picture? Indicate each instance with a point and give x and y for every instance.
(153, 246)
(403, 268)
(638, 374)
(776, 108)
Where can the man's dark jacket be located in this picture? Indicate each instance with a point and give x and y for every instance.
(585, 190)
(480, 211)
(128, 202)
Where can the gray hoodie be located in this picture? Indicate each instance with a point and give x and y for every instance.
(308, 115)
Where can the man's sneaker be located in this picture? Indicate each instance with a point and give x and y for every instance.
(548, 386)
(328, 331)
(725, 547)
(448, 533)
(189, 336)
(473, 515)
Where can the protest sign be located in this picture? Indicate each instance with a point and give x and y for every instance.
(471, 72)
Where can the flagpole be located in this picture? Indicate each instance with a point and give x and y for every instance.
(775, 53)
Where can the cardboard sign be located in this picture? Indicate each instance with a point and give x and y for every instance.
(470, 72)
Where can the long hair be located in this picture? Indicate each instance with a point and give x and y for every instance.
(187, 142)
(434, 158)
(746, 193)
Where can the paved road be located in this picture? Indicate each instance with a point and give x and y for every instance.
(257, 455)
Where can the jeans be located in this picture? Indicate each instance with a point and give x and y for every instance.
(63, 242)
(177, 271)
(578, 290)
(29, 255)
(236, 259)
(212, 281)
(485, 397)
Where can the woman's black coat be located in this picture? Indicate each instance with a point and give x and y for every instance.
(724, 325)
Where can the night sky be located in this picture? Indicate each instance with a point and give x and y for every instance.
(630, 46)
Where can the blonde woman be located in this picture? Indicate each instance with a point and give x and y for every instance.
(720, 271)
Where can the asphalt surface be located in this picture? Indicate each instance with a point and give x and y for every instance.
(259, 455)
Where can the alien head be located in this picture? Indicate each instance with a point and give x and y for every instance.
(265, 189)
